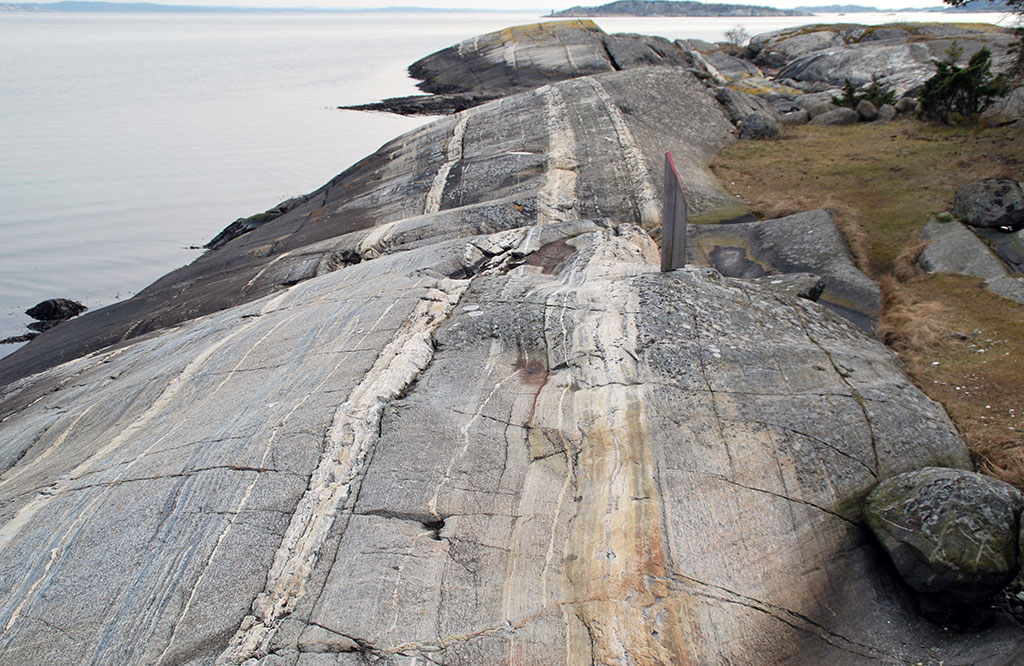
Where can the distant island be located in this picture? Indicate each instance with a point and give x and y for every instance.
(674, 8)
(87, 6)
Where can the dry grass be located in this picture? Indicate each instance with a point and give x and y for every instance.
(904, 265)
(961, 344)
(907, 323)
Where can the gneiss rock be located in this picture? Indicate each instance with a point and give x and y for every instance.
(758, 126)
(886, 112)
(993, 202)
(56, 309)
(952, 534)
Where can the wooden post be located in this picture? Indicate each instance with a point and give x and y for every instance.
(673, 220)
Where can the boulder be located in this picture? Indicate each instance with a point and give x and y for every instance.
(840, 116)
(820, 109)
(56, 309)
(758, 126)
(739, 105)
(886, 113)
(949, 532)
(867, 111)
(906, 105)
(993, 202)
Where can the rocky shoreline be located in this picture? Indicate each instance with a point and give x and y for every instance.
(447, 408)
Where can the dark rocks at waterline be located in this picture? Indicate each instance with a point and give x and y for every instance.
(993, 202)
(951, 534)
(56, 309)
(758, 126)
(244, 225)
(428, 105)
(18, 339)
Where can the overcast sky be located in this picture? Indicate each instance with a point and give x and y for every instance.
(541, 6)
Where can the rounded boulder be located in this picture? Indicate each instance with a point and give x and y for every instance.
(993, 202)
(950, 533)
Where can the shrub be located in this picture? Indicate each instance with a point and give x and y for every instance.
(875, 94)
(957, 94)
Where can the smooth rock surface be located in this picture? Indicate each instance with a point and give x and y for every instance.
(582, 148)
(449, 411)
(899, 59)
(803, 243)
(954, 248)
(949, 532)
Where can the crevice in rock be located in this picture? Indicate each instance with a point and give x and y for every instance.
(789, 617)
(608, 53)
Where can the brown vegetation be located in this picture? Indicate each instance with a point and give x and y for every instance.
(962, 344)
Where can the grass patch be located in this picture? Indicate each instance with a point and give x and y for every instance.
(961, 344)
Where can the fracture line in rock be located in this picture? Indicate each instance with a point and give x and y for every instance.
(260, 274)
(263, 460)
(24, 515)
(453, 154)
(644, 193)
(354, 429)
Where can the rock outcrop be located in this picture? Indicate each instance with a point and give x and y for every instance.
(898, 57)
(512, 60)
(448, 410)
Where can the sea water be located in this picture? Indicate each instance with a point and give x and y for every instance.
(127, 140)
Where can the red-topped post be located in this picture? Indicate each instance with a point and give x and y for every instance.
(673, 219)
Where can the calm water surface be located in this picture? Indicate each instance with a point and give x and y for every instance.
(125, 139)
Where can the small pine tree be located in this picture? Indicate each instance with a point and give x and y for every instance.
(875, 94)
(958, 94)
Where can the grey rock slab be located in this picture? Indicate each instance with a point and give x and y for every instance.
(529, 56)
(802, 243)
(839, 116)
(1008, 246)
(899, 66)
(588, 147)
(949, 532)
(953, 248)
(562, 439)
(1010, 287)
